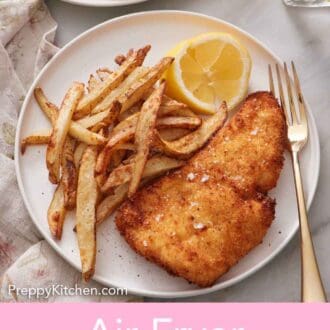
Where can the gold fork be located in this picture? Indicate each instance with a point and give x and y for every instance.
(311, 283)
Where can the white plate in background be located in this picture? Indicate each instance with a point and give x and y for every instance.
(103, 3)
(117, 264)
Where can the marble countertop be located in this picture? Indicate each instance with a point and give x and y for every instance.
(292, 33)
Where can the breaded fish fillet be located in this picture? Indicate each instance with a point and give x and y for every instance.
(200, 220)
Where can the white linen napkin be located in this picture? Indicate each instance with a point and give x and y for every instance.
(27, 33)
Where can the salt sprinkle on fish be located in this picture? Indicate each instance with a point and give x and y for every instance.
(199, 225)
(255, 131)
(191, 176)
(158, 217)
(205, 178)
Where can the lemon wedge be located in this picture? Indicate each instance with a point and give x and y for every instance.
(208, 69)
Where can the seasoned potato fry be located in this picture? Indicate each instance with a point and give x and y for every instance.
(182, 112)
(77, 131)
(69, 174)
(179, 122)
(36, 138)
(184, 148)
(139, 88)
(60, 130)
(143, 135)
(121, 58)
(84, 135)
(126, 146)
(87, 197)
(117, 158)
(155, 166)
(108, 117)
(173, 122)
(108, 101)
(90, 100)
(164, 110)
(131, 111)
(93, 83)
(170, 105)
(104, 73)
(109, 204)
(56, 212)
(130, 121)
(49, 109)
(103, 159)
(78, 153)
(90, 121)
(171, 134)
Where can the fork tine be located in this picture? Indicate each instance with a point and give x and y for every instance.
(282, 99)
(271, 80)
(291, 102)
(301, 102)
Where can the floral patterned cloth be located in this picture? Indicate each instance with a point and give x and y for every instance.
(27, 33)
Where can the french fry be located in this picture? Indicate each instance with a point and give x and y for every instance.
(143, 135)
(155, 166)
(69, 174)
(103, 159)
(108, 101)
(121, 58)
(184, 148)
(166, 109)
(171, 134)
(90, 121)
(78, 153)
(173, 122)
(117, 158)
(104, 73)
(87, 197)
(36, 138)
(56, 212)
(93, 83)
(176, 111)
(109, 204)
(102, 119)
(131, 111)
(49, 109)
(179, 122)
(90, 100)
(77, 131)
(130, 121)
(126, 146)
(139, 88)
(60, 130)
(84, 135)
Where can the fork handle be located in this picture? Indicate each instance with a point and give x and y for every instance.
(311, 283)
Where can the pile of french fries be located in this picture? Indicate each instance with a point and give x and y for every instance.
(112, 138)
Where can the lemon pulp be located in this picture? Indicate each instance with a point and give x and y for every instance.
(209, 69)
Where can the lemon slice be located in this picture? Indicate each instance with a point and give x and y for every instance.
(208, 69)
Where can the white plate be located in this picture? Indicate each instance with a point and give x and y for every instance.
(117, 264)
(103, 3)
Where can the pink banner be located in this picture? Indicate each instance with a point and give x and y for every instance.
(145, 316)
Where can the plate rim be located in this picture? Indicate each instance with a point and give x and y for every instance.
(144, 292)
(102, 4)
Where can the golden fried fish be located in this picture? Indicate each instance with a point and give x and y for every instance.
(201, 219)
